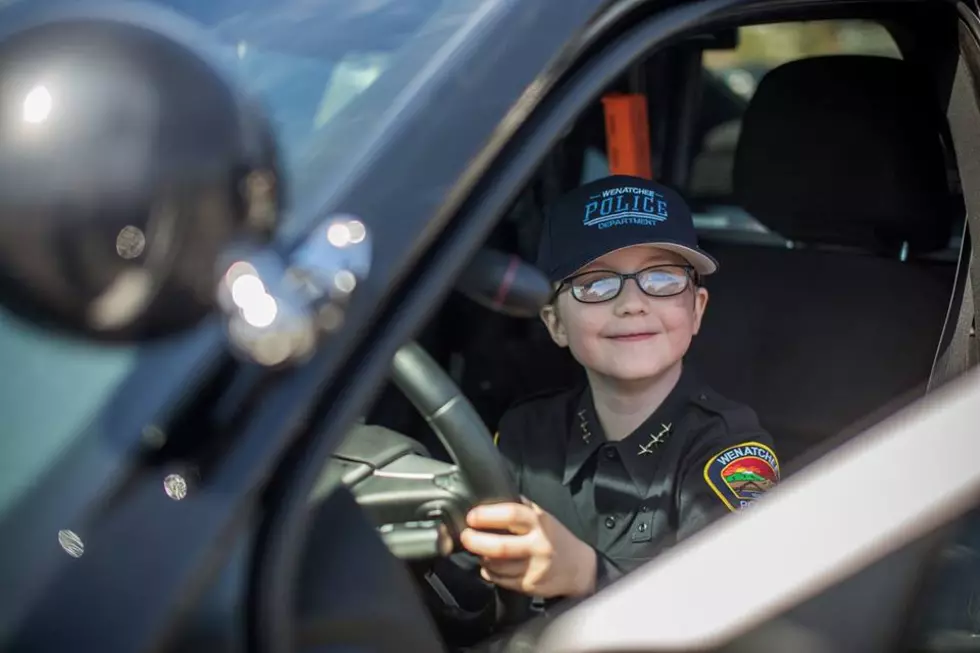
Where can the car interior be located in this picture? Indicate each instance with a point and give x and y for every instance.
(825, 184)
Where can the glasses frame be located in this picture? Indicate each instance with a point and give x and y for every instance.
(692, 275)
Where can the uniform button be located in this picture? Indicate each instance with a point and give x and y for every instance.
(703, 397)
(610, 453)
(644, 509)
(641, 527)
(610, 522)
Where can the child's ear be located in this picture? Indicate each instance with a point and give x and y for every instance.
(700, 305)
(549, 315)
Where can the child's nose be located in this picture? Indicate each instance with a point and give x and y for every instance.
(631, 299)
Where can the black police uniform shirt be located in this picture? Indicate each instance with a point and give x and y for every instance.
(697, 457)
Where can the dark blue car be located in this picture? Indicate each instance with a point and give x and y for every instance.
(265, 292)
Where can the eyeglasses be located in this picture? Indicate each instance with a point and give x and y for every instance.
(603, 285)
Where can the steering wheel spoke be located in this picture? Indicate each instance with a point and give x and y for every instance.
(415, 488)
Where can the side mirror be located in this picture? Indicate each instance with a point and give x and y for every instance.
(128, 161)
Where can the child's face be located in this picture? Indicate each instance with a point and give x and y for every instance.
(633, 336)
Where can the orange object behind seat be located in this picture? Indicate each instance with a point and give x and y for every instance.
(627, 134)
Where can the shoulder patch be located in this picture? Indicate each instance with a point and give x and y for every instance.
(741, 473)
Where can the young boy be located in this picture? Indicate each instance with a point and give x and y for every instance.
(645, 453)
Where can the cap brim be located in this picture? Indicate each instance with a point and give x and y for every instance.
(702, 262)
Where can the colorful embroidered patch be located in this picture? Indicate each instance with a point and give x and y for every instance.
(740, 474)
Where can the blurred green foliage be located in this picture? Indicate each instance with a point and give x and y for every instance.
(766, 46)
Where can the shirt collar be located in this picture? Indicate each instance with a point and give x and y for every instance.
(587, 435)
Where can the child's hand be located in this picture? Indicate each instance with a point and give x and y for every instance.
(536, 555)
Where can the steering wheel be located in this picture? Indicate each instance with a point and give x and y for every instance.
(419, 504)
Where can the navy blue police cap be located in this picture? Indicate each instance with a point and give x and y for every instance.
(613, 213)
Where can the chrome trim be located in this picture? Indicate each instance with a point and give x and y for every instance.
(277, 311)
(420, 476)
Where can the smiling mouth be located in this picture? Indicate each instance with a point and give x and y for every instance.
(633, 337)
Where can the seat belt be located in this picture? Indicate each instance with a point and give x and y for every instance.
(960, 350)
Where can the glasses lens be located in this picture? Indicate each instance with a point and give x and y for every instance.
(664, 281)
(596, 286)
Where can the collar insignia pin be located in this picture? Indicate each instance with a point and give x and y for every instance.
(586, 434)
(655, 440)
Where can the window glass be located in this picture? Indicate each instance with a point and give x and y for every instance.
(327, 73)
(308, 62)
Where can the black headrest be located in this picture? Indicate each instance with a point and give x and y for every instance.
(846, 150)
